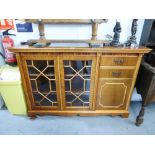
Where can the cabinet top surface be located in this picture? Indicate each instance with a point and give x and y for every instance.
(27, 49)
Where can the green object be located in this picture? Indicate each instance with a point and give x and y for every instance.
(12, 91)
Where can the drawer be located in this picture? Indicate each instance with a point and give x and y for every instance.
(118, 60)
(116, 73)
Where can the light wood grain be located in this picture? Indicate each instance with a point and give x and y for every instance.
(116, 73)
(66, 21)
(115, 60)
(113, 94)
(112, 50)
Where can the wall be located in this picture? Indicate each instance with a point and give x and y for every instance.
(81, 31)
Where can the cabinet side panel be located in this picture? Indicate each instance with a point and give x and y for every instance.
(134, 79)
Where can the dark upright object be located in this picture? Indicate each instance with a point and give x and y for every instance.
(146, 77)
(148, 33)
(116, 37)
(132, 39)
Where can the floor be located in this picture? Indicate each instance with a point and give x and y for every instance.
(58, 125)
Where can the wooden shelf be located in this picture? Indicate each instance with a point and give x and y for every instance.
(68, 41)
(67, 21)
(49, 42)
(93, 42)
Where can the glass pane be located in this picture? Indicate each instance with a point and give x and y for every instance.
(77, 84)
(43, 84)
(88, 63)
(77, 76)
(77, 102)
(52, 97)
(45, 102)
(49, 71)
(51, 62)
(86, 71)
(33, 85)
(33, 76)
(69, 71)
(51, 77)
(87, 85)
(37, 96)
(77, 65)
(32, 70)
(40, 64)
(53, 85)
(67, 85)
(66, 62)
(29, 62)
(86, 77)
(68, 76)
(70, 97)
(85, 97)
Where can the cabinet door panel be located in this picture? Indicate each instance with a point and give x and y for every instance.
(77, 78)
(42, 81)
(112, 94)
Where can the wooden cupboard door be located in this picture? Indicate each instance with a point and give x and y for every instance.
(77, 79)
(112, 94)
(42, 82)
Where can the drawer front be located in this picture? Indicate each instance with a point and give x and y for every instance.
(116, 73)
(118, 61)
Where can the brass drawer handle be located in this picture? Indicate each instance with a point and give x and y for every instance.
(116, 74)
(118, 61)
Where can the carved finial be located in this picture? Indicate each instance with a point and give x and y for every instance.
(117, 30)
(132, 39)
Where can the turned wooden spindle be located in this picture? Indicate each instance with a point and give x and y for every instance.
(41, 29)
(94, 31)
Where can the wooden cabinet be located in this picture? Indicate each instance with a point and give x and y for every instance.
(78, 81)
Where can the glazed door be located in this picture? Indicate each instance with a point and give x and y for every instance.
(42, 81)
(112, 94)
(77, 79)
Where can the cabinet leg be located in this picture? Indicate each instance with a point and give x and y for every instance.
(139, 119)
(32, 116)
(126, 115)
